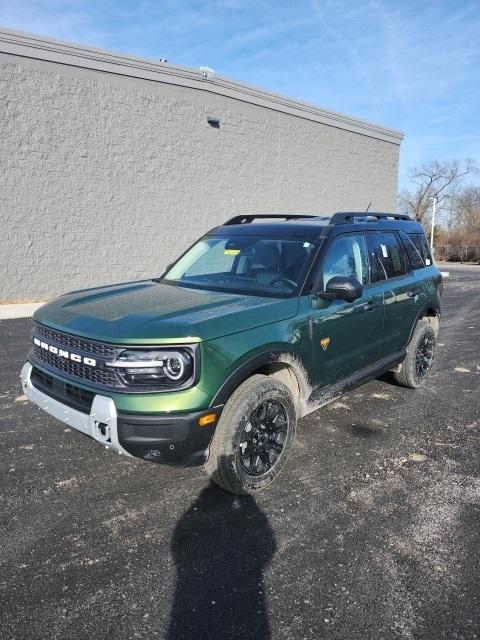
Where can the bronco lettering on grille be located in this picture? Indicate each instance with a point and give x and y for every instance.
(75, 357)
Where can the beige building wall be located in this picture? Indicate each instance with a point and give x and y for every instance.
(110, 168)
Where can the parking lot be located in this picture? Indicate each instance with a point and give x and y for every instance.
(371, 532)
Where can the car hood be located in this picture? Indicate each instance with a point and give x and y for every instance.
(151, 312)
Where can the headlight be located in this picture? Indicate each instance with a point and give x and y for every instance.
(163, 368)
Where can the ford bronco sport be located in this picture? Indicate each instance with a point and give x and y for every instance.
(261, 321)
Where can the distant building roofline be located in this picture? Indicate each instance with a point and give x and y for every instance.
(67, 53)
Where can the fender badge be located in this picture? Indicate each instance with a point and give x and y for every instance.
(325, 342)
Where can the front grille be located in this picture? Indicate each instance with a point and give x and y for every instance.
(74, 342)
(64, 392)
(72, 357)
(41, 380)
(96, 375)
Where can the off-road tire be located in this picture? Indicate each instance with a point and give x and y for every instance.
(408, 375)
(224, 465)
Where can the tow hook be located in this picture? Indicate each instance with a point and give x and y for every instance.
(103, 430)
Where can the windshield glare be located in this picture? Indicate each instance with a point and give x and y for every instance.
(244, 264)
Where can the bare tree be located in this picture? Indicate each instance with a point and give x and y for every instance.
(467, 210)
(440, 180)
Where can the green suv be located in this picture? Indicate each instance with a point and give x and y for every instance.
(260, 322)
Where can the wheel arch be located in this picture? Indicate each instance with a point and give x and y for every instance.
(281, 363)
(431, 311)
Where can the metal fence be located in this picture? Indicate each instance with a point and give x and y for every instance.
(457, 253)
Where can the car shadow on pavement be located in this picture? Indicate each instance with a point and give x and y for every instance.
(221, 546)
(388, 378)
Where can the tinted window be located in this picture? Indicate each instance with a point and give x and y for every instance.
(420, 242)
(414, 255)
(387, 258)
(346, 256)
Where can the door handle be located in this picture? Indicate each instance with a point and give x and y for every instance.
(370, 306)
(413, 293)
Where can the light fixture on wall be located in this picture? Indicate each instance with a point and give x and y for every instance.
(213, 122)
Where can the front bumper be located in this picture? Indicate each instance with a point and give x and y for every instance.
(162, 438)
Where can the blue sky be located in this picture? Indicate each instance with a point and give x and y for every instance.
(410, 65)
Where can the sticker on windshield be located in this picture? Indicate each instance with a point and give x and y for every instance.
(384, 251)
(231, 252)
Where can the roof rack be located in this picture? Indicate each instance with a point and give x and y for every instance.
(347, 217)
(248, 218)
(341, 217)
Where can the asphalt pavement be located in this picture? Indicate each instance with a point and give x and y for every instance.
(371, 532)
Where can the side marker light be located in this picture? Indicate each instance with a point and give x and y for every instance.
(208, 419)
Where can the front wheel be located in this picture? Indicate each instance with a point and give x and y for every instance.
(253, 437)
(415, 369)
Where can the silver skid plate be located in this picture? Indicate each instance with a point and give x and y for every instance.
(100, 424)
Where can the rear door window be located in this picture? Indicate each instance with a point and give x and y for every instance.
(387, 257)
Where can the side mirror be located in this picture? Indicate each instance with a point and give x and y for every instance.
(342, 288)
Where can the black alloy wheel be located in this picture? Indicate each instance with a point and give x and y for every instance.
(263, 438)
(254, 436)
(424, 355)
(414, 371)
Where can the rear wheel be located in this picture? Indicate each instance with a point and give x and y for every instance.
(415, 369)
(253, 437)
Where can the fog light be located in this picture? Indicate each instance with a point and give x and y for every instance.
(208, 419)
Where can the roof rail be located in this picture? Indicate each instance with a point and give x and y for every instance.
(347, 217)
(247, 218)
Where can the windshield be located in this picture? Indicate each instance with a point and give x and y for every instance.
(244, 264)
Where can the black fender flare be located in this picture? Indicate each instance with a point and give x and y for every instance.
(248, 367)
(430, 304)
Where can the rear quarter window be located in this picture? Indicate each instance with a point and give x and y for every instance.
(414, 254)
(420, 242)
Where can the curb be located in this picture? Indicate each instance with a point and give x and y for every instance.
(11, 311)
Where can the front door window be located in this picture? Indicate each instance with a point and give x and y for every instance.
(347, 256)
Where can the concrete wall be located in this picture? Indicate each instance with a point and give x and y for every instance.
(107, 176)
